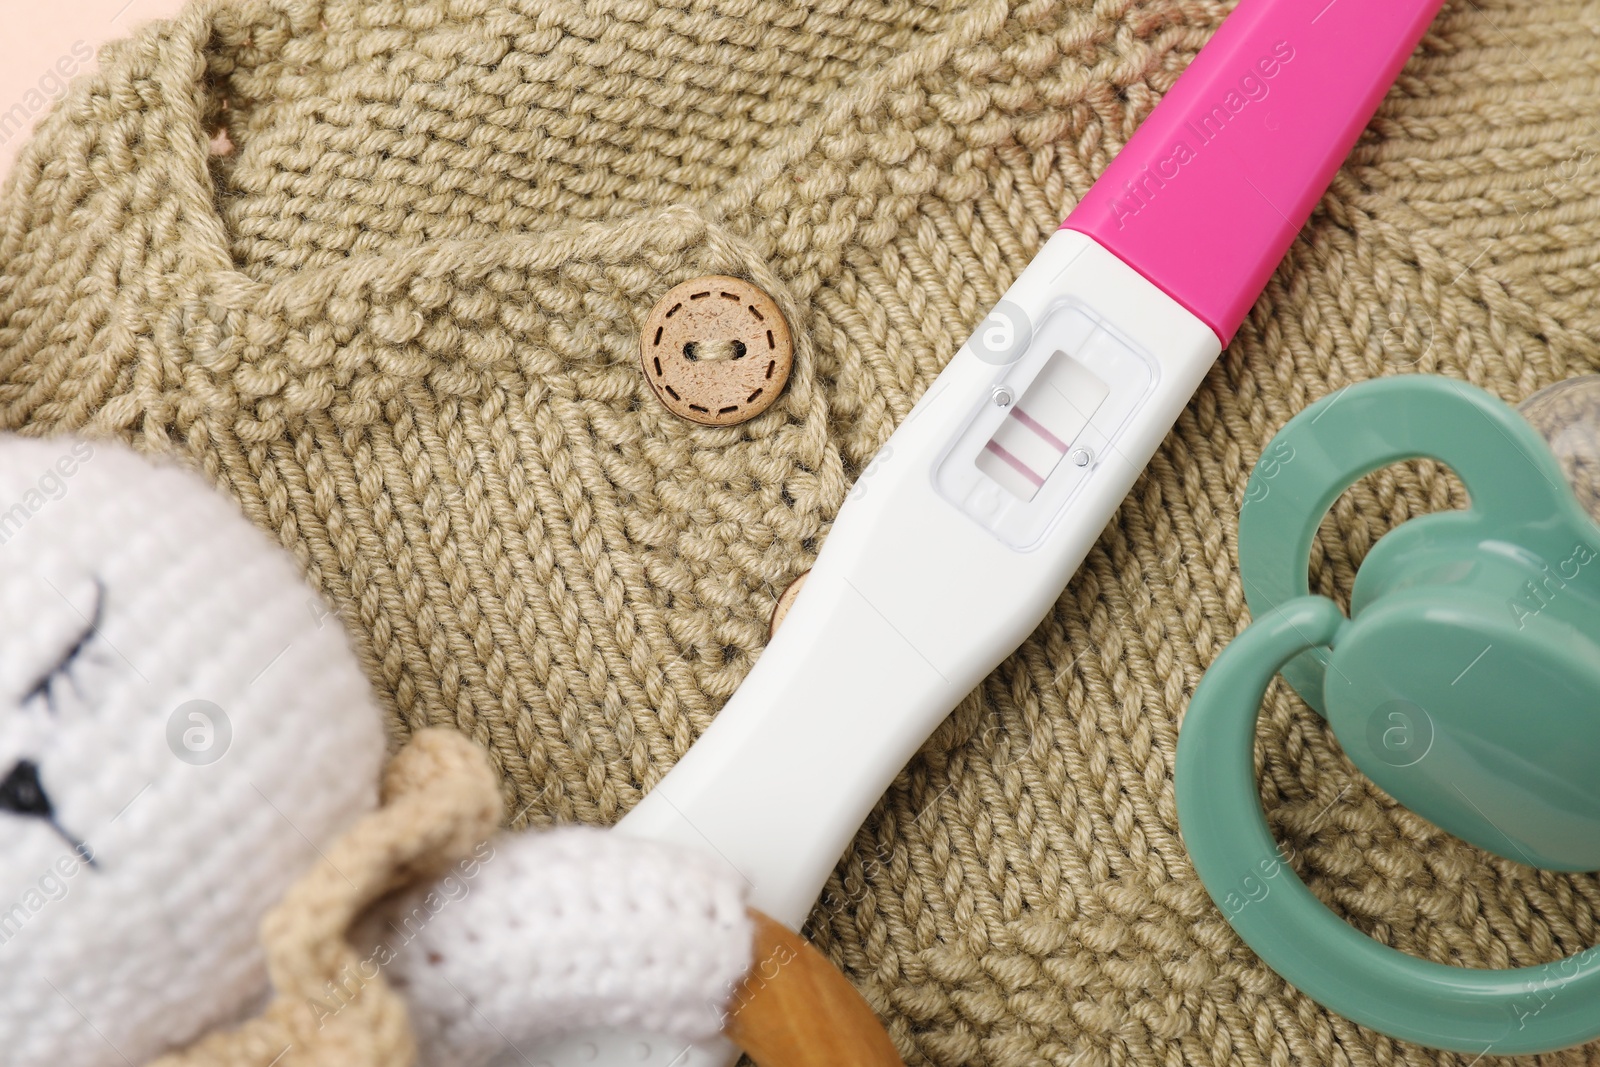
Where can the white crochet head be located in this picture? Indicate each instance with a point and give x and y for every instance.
(174, 697)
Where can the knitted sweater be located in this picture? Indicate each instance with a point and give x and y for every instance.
(394, 312)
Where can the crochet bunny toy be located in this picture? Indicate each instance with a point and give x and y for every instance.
(186, 740)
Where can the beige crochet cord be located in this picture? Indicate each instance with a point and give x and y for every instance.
(398, 323)
(439, 801)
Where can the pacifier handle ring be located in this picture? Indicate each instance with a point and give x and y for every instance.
(1509, 1012)
(1504, 463)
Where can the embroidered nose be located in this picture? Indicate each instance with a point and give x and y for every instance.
(21, 793)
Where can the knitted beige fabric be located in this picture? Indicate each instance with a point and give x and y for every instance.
(398, 322)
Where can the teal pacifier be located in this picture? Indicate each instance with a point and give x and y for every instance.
(1465, 683)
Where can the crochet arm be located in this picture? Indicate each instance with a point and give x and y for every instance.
(541, 934)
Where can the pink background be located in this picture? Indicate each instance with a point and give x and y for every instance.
(44, 38)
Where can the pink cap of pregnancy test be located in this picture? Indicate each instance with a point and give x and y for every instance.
(1206, 197)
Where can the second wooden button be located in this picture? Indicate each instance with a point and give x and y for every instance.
(716, 350)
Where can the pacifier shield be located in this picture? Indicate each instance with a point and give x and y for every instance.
(1486, 725)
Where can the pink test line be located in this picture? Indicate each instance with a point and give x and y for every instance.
(1016, 464)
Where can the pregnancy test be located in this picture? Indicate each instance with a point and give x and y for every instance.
(965, 528)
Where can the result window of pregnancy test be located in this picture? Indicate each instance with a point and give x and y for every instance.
(1047, 423)
(1040, 428)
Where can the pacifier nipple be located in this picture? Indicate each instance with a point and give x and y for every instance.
(1567, 414)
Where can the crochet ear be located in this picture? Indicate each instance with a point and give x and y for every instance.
(541, 934)
(546, 934)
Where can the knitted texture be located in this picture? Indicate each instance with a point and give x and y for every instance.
(398, 322)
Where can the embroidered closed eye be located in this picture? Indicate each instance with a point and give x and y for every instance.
(46, 688)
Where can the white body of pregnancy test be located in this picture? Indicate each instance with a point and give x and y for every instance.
(935, 569)
(962, 533)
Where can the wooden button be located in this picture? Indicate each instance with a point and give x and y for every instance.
(716, 351)
(780, 610)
